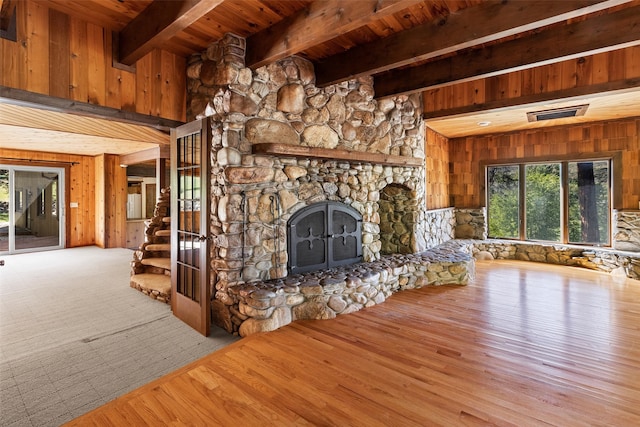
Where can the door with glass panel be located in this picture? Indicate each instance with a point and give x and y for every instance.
(31, 209)
(190, 273)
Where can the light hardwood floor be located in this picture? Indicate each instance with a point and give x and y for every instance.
(526, 344)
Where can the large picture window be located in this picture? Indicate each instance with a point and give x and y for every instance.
(565, 202)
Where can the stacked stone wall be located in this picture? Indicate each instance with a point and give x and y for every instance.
(606, 260)
(440, 226)
(626, 232)
(471, 223)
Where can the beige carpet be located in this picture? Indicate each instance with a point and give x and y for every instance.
(74, 335)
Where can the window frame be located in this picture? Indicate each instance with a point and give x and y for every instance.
(615, 173)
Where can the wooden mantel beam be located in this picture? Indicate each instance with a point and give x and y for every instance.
(598, 34)
(159, 22)
(469, 27)
(279, 149)
(319, 22)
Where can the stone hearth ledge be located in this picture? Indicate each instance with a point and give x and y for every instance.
(268, 305)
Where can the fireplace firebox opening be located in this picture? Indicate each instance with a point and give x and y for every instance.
(324, 235)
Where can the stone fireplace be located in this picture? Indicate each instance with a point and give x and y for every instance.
(281, 146)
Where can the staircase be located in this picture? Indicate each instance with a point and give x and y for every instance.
(151, 265)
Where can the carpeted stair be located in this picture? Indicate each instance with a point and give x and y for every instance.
(151, 265)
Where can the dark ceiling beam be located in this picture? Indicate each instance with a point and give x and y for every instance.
(24, 98)
(467, 28)
(598, 34)
(319, 22)
(158, 23)
(562, 95)
(7, 9)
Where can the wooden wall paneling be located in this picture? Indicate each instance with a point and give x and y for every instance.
(539, 79)
(80, 188)
(67, 57)
(600, 70)
(617, 66)
(554, 77)
(144, 84)
(569, 70)
(100, 201)
(156, 83)
(173, 86)
(128, 91)
(437, 173)
(37, 49)
(562, 142)
(117, 185)
(59, 70)
(88, 201)
(111, 199)
(632, 62)
(113, 76)
(479, 91)
(79, 78)
(96, 64)
(515, 85)
(527, 82)
(120, 83)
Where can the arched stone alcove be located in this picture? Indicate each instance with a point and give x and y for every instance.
(398, 216)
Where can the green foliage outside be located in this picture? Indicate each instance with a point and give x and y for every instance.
(503, 202)
(542, 202)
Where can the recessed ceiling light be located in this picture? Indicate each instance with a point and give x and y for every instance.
(484, 124)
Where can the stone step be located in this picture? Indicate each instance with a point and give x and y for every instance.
(159, 247)
(157, 286)
(163, 233)
(158, 262)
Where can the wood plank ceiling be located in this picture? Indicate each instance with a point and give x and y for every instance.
(407, 45)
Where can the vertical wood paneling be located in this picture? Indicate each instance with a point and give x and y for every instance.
(100, 200)
(437, 165)
(35, 45)
(632, 62)
(143, 84)
(110, 202)
(59, 71)
(67, 57)
(468, 154)
(80, 221)
(96, 65)
(79, 76)
(173, 87)
(601, 68)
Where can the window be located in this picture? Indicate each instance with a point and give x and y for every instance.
(542, 202)
(565, 202)
(589, 202)
(504, 201)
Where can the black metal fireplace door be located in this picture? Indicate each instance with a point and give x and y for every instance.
(324, 235)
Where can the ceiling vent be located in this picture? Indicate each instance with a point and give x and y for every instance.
(557, 113)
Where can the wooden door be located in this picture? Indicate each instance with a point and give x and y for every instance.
(190, 293)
